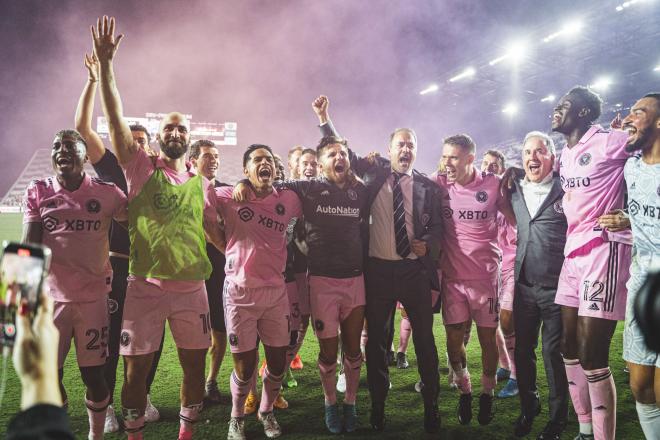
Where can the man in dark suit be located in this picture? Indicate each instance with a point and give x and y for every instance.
(536, 198)
(404, 233)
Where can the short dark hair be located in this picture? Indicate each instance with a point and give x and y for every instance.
(71, 133)
(294, 149)
(656, 96)
(463, 141)
(498, 155)
(308, 151)
(142, 128)
(253, 147)
(403, 130)
(196, 147)
(590, 99)
(329, 140)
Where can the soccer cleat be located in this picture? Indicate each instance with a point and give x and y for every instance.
(431, 419)
(377, 418)
(251, 403)
(341, 383)
(509, 390)
(289, 380)
(581, 436)
(332, 419)
(552, 431)
(502, 374)
(350, 417)
(465, 409)
(296, 363)
(280, 402)
(236, 429)
(212, 393)
(418, 386)
(271, 427)
(151, 413)
(486, 412)
(111, 423)
(401, 361)
(261, 369)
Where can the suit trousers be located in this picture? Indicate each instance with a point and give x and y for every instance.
(408, 282)
(534, 309)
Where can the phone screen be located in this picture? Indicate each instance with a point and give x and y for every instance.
(21, 274)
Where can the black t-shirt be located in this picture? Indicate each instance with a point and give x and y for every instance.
(333, 225)
(108, 170)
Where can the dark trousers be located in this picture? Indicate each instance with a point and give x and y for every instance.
(408, 282)
(534, 308)
(116, 307)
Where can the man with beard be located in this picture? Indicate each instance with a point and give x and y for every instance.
(205, 160)
(107, 168)
(168, 207)
(493, 162)
(255, 294)
(642, 174)
(592, 284)
(470, 264)
(403, 244)
(71, 213)
(536, 197)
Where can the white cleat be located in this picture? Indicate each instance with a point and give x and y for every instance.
(151, 413)
(341, 383)
(111, 423)
(236, 429)
(271, 427)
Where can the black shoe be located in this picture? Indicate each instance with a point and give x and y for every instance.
(523, 425)
(377, 419)
(401, 361)
(465, 409)
(391, 359)
(486, 412)
(552, 431)
(431, 419)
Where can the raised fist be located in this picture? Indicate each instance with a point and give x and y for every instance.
(320, 106)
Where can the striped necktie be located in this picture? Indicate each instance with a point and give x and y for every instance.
(400, 232)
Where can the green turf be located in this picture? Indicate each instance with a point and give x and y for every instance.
(304, 418)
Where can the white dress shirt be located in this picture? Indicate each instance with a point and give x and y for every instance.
(535, 193)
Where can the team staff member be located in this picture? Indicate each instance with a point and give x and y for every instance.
(403, 242)
(107, 168)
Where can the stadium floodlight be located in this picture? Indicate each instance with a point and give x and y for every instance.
(430, 89)
(470, 71)
(510, 109)
(515, 53)
(626, 5)
(602, 83)
(549, 98)
(571, 27)
(657, 68)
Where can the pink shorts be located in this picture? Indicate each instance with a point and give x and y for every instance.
(332, 300)
(262, 311)
(303, 294)
(507, 289)
(87, 323)
(294, 304)
(465, 299)
(147, 307)
(594, 281)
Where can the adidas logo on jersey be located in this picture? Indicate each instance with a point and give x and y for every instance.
(593, 306)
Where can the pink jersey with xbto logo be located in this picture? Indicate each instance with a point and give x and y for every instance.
(469, 250)
(506, 241)
(256, 236)
(592, 178)
(75, 227)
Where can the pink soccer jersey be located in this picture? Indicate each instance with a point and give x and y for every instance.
(506, 241)
(469, 250)
(592, 178)
(256, 236)
(75, 227)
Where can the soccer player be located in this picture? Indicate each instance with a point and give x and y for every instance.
(642, 174)
(255, 294)
(494, 162)
(403, 244)
(470, 265)
(107, 168)
(71, 213)
(292, 160)
(168, 208)
(592, 284)
(205, 159)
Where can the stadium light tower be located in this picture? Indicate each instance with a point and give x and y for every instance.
(571, 27)
(430, 89)
(550, 98)
(601, 84)
(470, 71)
(516, 52)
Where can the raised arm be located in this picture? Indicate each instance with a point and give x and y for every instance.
(105, 48)
(85, 109)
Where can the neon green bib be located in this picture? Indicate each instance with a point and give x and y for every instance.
(165, 225)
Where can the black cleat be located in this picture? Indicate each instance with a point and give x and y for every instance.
(377, 418)
(431, 419)
(523, 425)
(402, 361)
(465, 409)
(552, 431)
(391, 359)
(486, 412)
